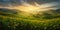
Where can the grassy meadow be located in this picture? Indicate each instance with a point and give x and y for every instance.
(17, 20)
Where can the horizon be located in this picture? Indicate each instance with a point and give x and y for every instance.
(26, 6)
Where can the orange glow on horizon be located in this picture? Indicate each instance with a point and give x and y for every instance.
(30, 8)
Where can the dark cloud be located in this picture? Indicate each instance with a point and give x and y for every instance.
(18, 2)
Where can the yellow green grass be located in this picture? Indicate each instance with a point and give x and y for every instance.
(31, 22)
(16, 23)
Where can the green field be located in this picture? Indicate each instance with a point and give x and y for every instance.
(17, 20)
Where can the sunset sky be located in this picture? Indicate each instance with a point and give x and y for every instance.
(30, 5)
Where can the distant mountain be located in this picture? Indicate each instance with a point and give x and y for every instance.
(45, 14)
(57, 11)
(14, 12)
(8, 12)
(48, 14)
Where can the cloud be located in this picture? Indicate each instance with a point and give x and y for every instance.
(18, 2)
(38, 5)
(47, 3)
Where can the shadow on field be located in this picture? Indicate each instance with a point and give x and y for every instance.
(8, 21)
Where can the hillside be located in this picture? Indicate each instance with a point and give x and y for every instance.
(12, 19)
(49, 14)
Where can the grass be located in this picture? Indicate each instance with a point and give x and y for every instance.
(20, 22)
(15, 23)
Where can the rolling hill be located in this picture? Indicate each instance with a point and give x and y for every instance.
(12, 19)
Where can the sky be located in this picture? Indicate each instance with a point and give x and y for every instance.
(30, 5)
(18, 2)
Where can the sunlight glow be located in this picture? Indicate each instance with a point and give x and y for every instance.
(32, 8)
